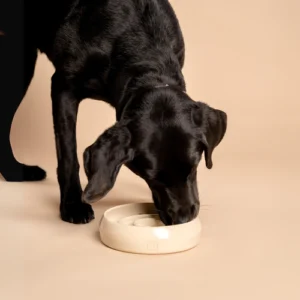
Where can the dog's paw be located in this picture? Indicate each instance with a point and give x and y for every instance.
(33, 173)
(77, 213)
(20, 173)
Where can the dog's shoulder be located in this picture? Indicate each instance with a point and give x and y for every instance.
(74, 33)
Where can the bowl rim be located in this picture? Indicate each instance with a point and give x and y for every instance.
(169, 227)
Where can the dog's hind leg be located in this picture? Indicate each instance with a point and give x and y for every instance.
(17, 64)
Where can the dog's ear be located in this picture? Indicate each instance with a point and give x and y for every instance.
(211, 124)
(103, 160)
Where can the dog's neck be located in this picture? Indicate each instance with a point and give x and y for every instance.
(135, 93)
(135, 81)
(161, 86)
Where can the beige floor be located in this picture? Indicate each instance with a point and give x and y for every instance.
(243, 57)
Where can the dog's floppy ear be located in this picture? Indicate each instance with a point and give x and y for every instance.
(212, 125)
(103, 160)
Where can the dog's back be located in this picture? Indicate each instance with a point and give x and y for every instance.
(97, 39)
(53, 23)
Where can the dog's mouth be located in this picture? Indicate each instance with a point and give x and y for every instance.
(162, 215)
(164, 218)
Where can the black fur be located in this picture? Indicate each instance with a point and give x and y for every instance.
(129, 53)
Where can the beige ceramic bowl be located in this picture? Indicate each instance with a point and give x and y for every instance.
(136, 228)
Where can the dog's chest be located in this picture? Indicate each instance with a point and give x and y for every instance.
(93, 76)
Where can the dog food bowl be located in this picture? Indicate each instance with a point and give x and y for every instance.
(136, 228)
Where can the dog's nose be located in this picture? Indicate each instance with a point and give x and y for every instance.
(181, 219)
(183, 214)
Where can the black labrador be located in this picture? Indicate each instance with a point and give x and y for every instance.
(129, 53)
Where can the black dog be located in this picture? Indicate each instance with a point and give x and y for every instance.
(129, 53)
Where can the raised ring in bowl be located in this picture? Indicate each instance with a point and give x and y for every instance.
(136, 228)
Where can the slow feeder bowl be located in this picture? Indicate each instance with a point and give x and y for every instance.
(136, 228)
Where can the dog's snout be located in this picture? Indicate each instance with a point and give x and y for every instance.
(179, 215)
(181, 219)
(184, 214)
(178, 205)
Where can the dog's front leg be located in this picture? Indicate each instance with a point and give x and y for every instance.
(65, 107)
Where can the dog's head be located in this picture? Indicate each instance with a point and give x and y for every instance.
(161, 138)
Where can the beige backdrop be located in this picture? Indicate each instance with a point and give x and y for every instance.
(242, 57)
